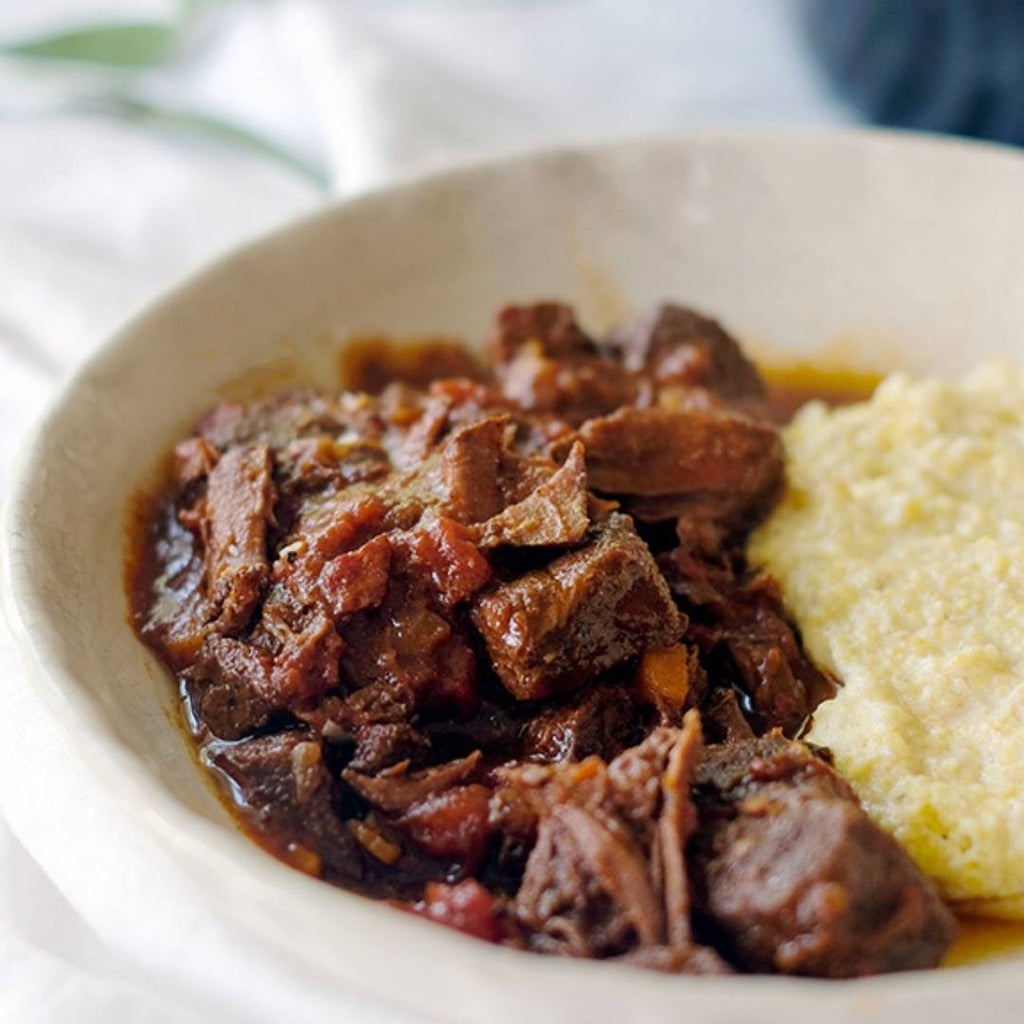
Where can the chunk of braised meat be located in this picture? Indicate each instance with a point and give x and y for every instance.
(469, 400)
(390, 600)
(551, 324)
(382, 745)
(785, 686)
(607, 873)
(724, 721)
(415, 425)
(547, 364)
(311, 465)
(561, 625)
(793, 876)
(528, 434)
(713, 465)
(555, 513)
(678, 346)
(470, 469)
(411, 648)
(235, 686)
(291, 800)
(599, 720)
(651, 452)
(493, 726)
(382, 702)
(586, 891)
(494, 478)
(676, 359)
(171, 610)
(703, 584)
(305, 646)
(194, 458)
(446, 553)
(745, 641)
(229, 687)
(325, 528)
(232, 520)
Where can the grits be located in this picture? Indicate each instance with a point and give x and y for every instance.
(899, 546)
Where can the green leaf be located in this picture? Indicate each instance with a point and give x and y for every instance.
(210, 127)
(127, 46)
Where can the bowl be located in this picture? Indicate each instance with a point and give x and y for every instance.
(876, 250)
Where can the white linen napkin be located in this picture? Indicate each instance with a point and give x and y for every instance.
(98, 216)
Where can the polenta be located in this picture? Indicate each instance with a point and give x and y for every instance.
(899, 547)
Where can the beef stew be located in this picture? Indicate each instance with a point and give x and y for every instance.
(486, 646)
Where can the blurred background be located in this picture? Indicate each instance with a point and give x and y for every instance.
(139, 138)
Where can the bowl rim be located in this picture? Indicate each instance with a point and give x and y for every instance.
(195, 838)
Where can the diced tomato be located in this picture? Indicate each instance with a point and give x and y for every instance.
(451, 825)
(457, 568)
(358, 579)
(467, 907)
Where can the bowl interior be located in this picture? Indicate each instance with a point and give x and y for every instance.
(872, 250)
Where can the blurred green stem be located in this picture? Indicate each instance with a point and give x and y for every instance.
(214, 128)
(142, 46)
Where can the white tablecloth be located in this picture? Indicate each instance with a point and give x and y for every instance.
(99, 215)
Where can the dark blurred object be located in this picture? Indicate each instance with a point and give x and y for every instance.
(943, 65)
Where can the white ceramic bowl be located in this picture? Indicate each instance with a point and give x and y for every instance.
(875, 249)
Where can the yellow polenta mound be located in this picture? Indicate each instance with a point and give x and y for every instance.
(900, 550)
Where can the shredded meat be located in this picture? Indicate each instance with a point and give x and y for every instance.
(607, 875)
(796, 878)
(557, 627)
(380, 745)
(239, 506)
(395, 791)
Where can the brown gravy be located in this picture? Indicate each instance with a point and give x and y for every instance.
(791, 385)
